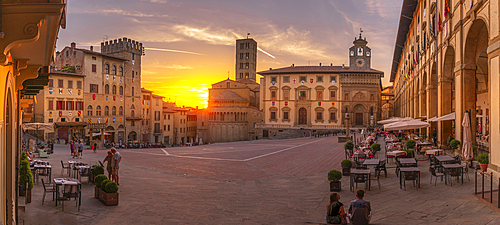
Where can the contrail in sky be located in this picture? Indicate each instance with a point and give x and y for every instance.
(172, 50)
(260, 49)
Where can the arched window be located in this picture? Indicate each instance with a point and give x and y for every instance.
(106, 68)
(121, 90)
(114, 89)
(371, 111)
(98, 110)
(120, 71)
(132, 107)
(114, 70)
(113, 111)
(106, 89)
(106, 111)
(132, 113)
(133, 74)
(120, 111)
(89, 110)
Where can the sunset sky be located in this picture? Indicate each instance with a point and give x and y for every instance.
(190, 44)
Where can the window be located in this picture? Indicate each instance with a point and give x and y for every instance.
(77, 119)
(319, 95)
(285, 115)
(74, 53)
(106, 89)
(273, 115)
(70, 105)
(332, 94)
(79, 105)
(132, 91)
(51, 105)
(319, 79)
(273, 79)
(79, 84)
(113, 70)
(89, 110)
(346, 97)
(247, 65)
(273, 94)
(302, 79)
(247, 75)
(241, 75)
(168, 117)
(242, 45)
(121, 90)
(164, 127)
(228, 85)
(372, 97)
(157, 128)
(132, 123)
(67, 53)
(120, 71)
(241, 55)
(133, 74)
(286, 94)
(94, 88)
(114, 89)
(51, 120)
(333, 116)
(94, 68)
(319, 116)
(94, 58)
(60, 105)
(120, 111)
(168, 128)
(106, 111)
(60, 83)
(98, 110)
(157, 102)
(332, 79)
(302, 95)
(286, 79)
(63, 119)
(51, 83)
(70, 84)
(247, 55)
(132, 113)
(157, 115)
(241, 65)
(106, 68)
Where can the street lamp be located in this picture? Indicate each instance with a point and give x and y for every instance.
(348, 124)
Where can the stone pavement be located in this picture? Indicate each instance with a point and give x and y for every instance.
(155, 193)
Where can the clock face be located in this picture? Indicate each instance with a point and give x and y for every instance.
(367, 53)
(360, 62)
(352, 53)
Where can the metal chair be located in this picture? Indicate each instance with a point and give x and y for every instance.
(432, 169)
(409, 175)
(381, 166)
(453, 172)
(67, 168)
(359, 178)
(50, 189)
(84, 172)
(70, 191)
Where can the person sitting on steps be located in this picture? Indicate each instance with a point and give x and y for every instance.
(360, 210)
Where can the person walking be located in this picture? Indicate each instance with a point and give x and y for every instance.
(108, 166)
(115, 163)
(72, 147)
(80, 149)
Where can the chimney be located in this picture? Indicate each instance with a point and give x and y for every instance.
(331, 64)
(270, 68)
(293, 65)
(342, 65)
(73, 45)
(319, 64)
(91, 48)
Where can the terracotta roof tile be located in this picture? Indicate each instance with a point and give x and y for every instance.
(229, 96)
(316, 69)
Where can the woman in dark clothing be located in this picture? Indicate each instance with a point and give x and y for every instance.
(334, 210)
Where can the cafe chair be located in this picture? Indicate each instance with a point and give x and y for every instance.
(413, 176)
(360, 178)
(381, 166)
(453, 172)
(49, 189)
(70, 191)
(432, 169)
(84, 172)
(42, 172)
(67, 168)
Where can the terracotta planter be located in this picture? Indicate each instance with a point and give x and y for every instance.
(346, 171)
(335, 186)
(28, 196)
(108, 198)
(96, 192)
(484, 167)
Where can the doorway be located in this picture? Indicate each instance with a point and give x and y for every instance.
(359, 119)
(302, 116)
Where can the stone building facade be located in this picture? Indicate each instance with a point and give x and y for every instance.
(320, 97)
(446, 60)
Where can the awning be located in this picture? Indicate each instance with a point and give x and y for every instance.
(432, 119)
(393, 120)
(450, 116)
(406, 125)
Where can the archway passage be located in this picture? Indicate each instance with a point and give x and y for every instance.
(447, 95)
(475, 84)
(132, 136)
(302, 116)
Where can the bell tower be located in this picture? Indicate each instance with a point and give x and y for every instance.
(360, 54)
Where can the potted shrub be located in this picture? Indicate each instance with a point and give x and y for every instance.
(483, 161)
(334, 177)
(346, 167)
(349, 145)
(450, 139)
(110, 194)
(455, 144)
(98, 180)
(25, 177)
(410, 145)
(375, 148)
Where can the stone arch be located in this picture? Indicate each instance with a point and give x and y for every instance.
(132, 136)
(447, 93)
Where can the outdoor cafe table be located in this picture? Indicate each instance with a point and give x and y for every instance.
(78, 168)
(408, 169)
(72, 165)
(434, 152)
(408, 162)
(396, 153)
(46, 167)
(371, 162)
(453, 166)
(360, 171)
(444, 158)
(58, 182)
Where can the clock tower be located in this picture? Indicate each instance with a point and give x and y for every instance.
(359, 54)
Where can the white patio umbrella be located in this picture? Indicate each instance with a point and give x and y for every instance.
(432, 119)
(467, 145)
(450, 116)
(391, 120)
(406, 125)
